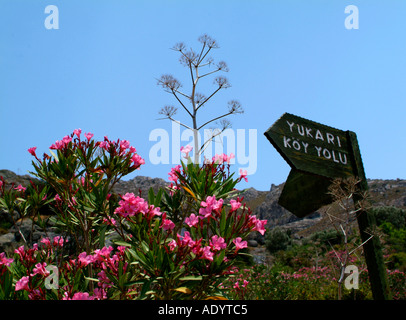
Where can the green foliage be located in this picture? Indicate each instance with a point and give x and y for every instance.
(179, 245)
(327, 238)
(393, 215)
(277, 239)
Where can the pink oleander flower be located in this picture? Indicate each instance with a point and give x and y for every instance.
(58, 241)
(130, 205)
(186, 150)
(104, 145)
(210, 205)
(4, 261)
(259, 224)
(82, 296)
(172, 245)
(32, 151)
(57, 198)
(217, 243)
(100, 254)
(228, 158)
(100, 294)
(243, 175)
(20, 188)
(239, 244)
(66, 140)
(77, 132)
(172, 175)
(20, 251)
(168, 225)
(85, 259)
(1, 183)
(187, 240)
(57, 145)
(137, 160)
(124, 145)
(235, 204)
(40, 268)
(207, 253)
(22, 284)
(89, 136)
(222, 158)
(192, 220)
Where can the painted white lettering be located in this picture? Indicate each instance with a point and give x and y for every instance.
(286, 142)
(330, 138)
(318, 150)
(290, 125)
(338, 141)
(305, 145)
(319, 135)
(326, 153)
(341, 159)
(308, 132)
(301, 132)
(296, 145)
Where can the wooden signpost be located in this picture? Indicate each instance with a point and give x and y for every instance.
(317, 154)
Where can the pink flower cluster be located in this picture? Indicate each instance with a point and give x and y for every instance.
(216, 244)
(4, 261)
(222, 158)
(259, 225)
(209, 206)
(202, 252)
(186, 150)
(173, 174)
(131, 205)
(123, 149)
(60, 144)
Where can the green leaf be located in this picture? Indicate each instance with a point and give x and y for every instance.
(122, 243)
(191, 278)
(92, 279)
(102, 235)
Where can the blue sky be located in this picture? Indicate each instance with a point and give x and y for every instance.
(98, 72)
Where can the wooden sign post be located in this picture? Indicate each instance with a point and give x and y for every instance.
(317, 154)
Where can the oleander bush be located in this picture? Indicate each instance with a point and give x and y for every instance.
(180, 244)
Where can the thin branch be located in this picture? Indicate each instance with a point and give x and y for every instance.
(218, 89)
(181, 93)
(209, 73)
(174, 93)
(200, 60)
(224, 115)
(178, 122)
(206, 143)
(361, 244)
(201, 52)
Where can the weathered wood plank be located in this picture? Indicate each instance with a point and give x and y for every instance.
(311, 147)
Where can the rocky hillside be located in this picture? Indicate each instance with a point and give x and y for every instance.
(264, 204)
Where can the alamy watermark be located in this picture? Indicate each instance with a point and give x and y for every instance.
(352, 20)
(351, 281)
(52, 20)
(240, 142)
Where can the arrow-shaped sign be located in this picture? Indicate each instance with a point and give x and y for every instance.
(311, 147)
(317, 154)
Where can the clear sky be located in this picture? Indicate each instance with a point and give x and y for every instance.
(98, 72)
